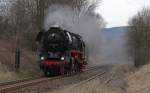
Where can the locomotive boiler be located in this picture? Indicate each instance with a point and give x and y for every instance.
(61, 52)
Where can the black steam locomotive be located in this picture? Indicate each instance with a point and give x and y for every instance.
(61, 51)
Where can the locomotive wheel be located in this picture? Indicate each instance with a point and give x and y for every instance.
(62, 70)
(77, 68)
(72, 65)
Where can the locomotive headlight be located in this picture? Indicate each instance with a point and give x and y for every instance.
(62, 58)
(42, 58)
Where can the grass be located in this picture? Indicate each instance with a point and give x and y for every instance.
(138, 81)
(6, 74)
(28, 63)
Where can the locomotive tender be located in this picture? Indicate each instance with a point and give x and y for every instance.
(61, 52)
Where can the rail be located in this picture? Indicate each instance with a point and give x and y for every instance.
(89, 79)
(7, 87)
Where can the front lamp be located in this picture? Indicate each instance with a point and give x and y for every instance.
(42, 58)
(62, 58)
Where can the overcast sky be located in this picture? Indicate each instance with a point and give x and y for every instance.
(117, 12)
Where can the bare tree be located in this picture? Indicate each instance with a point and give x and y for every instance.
(37, 8)
(139, 37)
(26, 17)
(42, 5)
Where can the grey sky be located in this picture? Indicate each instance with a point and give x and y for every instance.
(117, 12)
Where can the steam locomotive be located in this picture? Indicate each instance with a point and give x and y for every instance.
(61, 52)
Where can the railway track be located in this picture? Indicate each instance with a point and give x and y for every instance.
(17, 86)
(89, 79)
(18, 81)
(6, 88)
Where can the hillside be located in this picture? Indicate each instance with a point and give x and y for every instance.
(121, 28)
(113, 46)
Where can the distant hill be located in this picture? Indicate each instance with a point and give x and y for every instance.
(113, 46)
(116, 32)
(121, 28)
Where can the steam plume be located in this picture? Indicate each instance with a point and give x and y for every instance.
(82, 23)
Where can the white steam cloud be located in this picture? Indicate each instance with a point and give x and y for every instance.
(82, 23)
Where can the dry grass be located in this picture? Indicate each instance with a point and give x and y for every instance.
(28, 65)
(91, 87)
(139, 80)
(6, 74)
